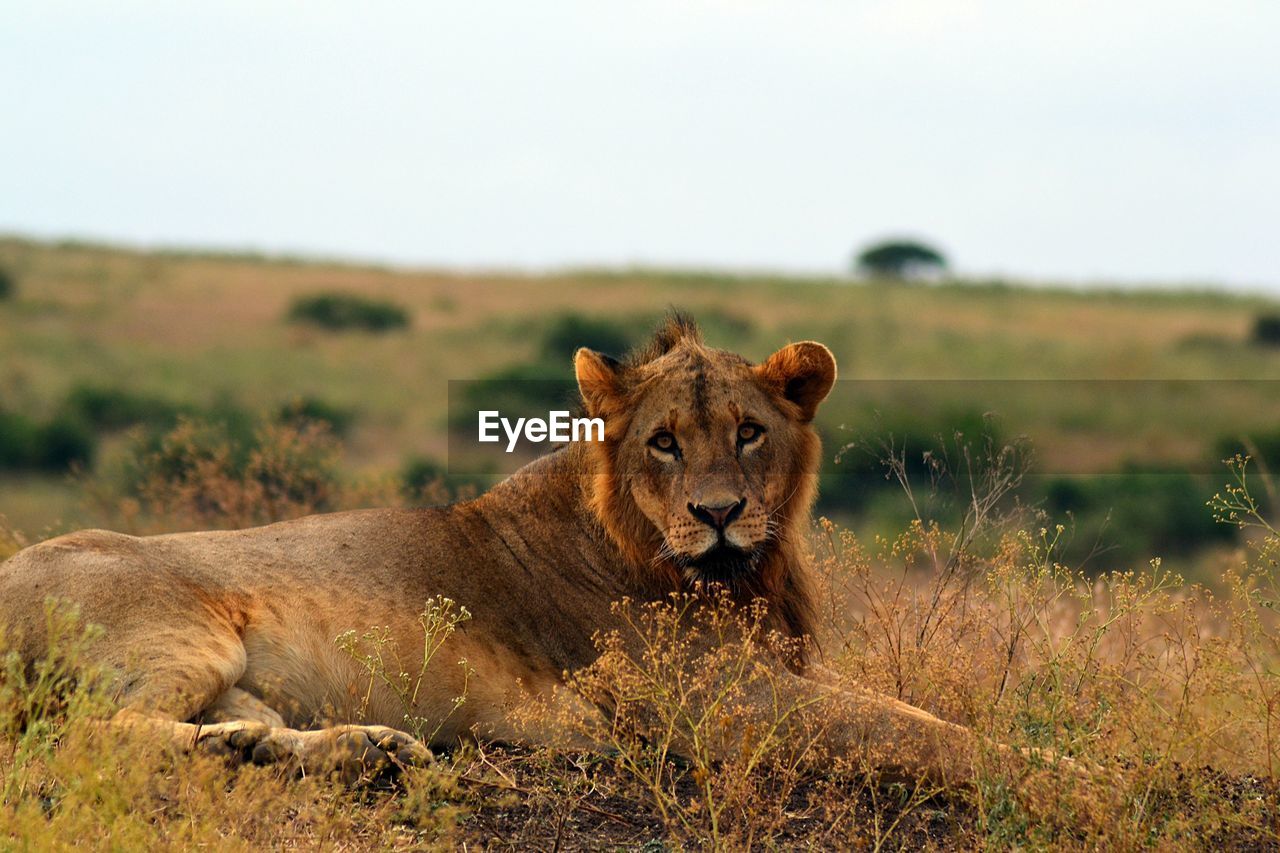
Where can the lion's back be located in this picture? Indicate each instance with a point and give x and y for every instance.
(83, 569)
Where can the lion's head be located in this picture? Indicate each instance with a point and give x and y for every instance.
(708, 460)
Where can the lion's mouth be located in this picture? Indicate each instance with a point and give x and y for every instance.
(723, 563)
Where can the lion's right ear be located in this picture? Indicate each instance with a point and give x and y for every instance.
(597, 380)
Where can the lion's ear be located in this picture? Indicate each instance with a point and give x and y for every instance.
(802, 374)
(597, 379)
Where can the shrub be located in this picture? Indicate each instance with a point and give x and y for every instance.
(382, 664)
(1262, 446)
(425, 482)
(1266, 330)
(7, 285)
(17, 441)
(339, 311)
(1127, 516)
(744, 739)
(568, 332)
(927, 450)
(56, 445)
(724, 327)
(205, 475)
(303, 410)
(63, 443)
(116, 408)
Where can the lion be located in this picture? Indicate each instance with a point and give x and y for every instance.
(705, 478)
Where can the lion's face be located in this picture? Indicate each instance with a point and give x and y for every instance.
(709, 448)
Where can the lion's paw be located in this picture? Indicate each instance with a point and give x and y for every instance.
(358, 751)
(234, 740)
(353, 753)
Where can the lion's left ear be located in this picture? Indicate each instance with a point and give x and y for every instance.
(800, 373)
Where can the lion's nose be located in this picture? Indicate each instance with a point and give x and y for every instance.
(718, 517)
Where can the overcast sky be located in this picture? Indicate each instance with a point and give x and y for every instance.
(1077, 141)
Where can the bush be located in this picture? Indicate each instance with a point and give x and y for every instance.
(209, 475)
(17, 441)
(304, 410)
(7, 286)
(1266, 330)
(63, 443)
(747, 743)
(568, 332)
(115, 408)
(930, 450)
(1263, 446)
(59, 444)
(1129, 516)
(425, 482)
(348, 311)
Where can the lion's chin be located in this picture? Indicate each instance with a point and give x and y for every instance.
(723, 563)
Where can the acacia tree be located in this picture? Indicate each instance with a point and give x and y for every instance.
(900, 259)
(1266, 330)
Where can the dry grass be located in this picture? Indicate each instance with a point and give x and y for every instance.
(1166, 695)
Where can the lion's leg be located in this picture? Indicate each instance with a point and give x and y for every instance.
(350, 751)
(236, 704)
(199, 682)
(900, 740)
(905, 742)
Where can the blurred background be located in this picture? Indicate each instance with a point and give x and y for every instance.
(246, 247)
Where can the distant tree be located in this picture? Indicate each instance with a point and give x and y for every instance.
(1266, 330)
(901, 259)
(6, 284)
(339, 311)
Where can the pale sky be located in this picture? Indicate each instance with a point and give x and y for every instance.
(1072, 141)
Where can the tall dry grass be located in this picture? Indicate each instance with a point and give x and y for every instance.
(1165, 696)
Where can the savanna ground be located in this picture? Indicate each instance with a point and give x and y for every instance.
(989, 558)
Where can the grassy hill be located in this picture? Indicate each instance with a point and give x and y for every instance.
(1100, 381)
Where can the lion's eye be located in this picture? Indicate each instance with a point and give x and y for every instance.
(748, 433)
(665, 442)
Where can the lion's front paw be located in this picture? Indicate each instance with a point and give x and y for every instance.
(353, 753)
(402, 748)
(235, 740)
(359, 751)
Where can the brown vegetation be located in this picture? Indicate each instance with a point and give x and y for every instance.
(1164, 696)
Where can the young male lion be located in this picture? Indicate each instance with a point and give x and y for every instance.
(705, 476)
